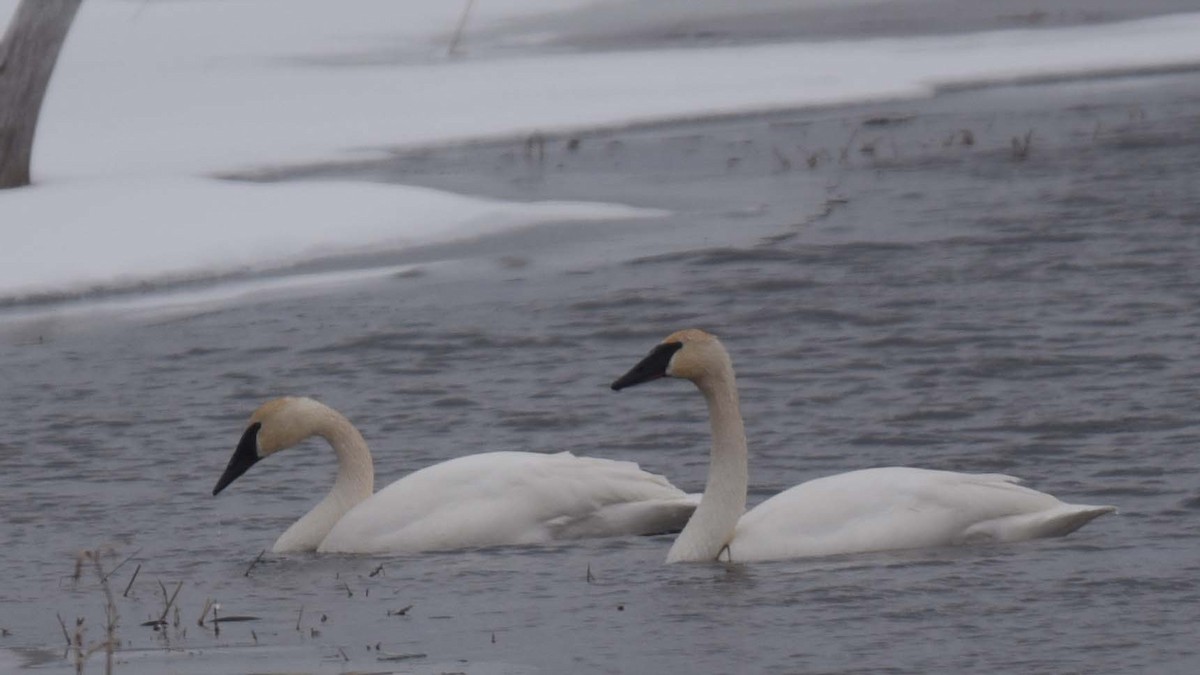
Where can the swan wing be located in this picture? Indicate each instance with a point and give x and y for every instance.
(503, 498)
(898, 508)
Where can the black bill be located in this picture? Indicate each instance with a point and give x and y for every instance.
(650, 368)
(243, 458)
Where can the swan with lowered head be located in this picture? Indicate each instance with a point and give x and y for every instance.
(867, 510)
(488, 499)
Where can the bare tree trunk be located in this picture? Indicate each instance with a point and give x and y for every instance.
(27, 57)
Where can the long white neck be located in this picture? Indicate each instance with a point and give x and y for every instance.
(712, 526)
(355, 482)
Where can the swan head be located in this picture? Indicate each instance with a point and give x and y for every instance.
(691, 354)
(276, 425)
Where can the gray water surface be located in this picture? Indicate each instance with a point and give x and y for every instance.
(898, 284)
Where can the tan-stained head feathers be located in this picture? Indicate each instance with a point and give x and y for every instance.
(689, 335)
(286, 421)
(276, 425)
(701, 356)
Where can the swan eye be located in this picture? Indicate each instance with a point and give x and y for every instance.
(650, 368)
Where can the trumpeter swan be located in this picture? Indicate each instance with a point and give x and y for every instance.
(488, 499)
(869, 510)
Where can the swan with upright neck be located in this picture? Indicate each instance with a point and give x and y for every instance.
(878, 509)
(487, 499)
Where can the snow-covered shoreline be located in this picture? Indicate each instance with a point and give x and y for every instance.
(152, 100)
(134, 105)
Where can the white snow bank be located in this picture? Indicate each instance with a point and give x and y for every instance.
(78, 234)
(149, 96)
(183, 87)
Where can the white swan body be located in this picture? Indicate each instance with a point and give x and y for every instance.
(897, 508)
(501, 498)
(877, 509)
(488, 499)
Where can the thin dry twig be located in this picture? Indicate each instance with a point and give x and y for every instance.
(130, 584)
(235, 618)
(254, 562)
(120, 564)
(458, 30)
(110, 616)
(162, 618)
(1021, 145)
(208, 603)
(66, 633)
(76, 643)
(399, 657)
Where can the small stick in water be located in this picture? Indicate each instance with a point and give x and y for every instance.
(254, 562)
(166, 610)
(66, 634)
(235, 618)
(207, 606)
(399, 657)
(127, 559)
(130, 584)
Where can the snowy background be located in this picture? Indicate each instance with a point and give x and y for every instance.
(153, 102)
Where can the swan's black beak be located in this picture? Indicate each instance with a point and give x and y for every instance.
(243, 458)
(650, 368)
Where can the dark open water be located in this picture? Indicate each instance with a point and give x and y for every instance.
(924, 293)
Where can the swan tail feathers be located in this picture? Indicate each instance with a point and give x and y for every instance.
(1000, 478)
(1055, 522)
(658, 516)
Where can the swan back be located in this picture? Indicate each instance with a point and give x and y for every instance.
(890, 508)
(504, 498)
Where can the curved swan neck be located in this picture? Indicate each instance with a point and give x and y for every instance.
(712, 525)
(355, 481)
(356, 472)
